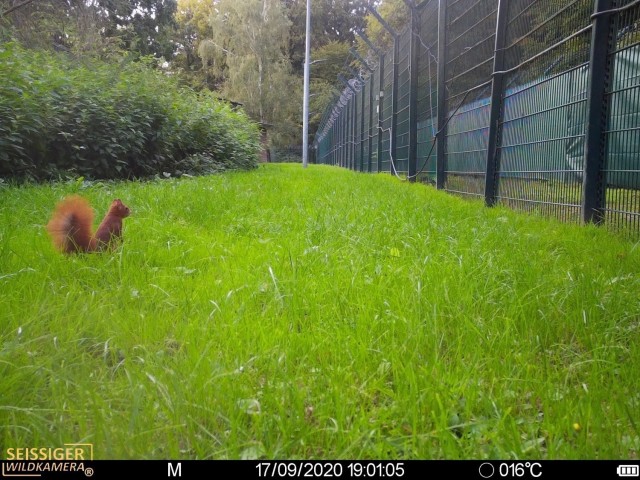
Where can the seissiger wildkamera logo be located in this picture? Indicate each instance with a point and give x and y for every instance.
(37, 461)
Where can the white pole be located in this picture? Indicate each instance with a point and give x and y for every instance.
(305, 103)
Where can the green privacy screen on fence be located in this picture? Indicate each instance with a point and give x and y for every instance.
(550, 123)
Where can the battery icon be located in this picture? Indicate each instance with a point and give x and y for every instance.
(628, 471)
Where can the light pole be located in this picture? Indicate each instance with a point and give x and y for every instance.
(305, 102)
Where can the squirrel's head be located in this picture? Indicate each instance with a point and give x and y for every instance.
(120, 209)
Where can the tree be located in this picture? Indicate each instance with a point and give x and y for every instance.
(331, 21)
(253, 36)
(142, 26)
(329, 61)
(93, 26)
(192, 29)
(396, 14)
(69, 25)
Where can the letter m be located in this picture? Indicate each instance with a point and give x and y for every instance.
(175, 472)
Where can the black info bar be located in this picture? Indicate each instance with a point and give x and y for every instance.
(329, 469)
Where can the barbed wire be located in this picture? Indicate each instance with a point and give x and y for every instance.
(362, 83)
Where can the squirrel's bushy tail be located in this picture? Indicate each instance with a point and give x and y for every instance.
(71, 224)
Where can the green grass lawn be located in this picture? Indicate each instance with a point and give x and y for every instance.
(317, 314)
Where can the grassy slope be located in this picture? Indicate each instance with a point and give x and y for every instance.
(317, 314)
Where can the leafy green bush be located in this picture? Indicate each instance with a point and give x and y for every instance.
(103, 120)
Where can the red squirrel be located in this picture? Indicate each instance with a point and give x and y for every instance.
(72, 222)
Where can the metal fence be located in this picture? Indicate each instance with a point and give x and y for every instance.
(530, 103)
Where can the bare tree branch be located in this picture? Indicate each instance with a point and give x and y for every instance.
(15, 7)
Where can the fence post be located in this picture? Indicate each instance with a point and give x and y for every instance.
(347, 153)
(351, 129)
(362, 115)
(336, 143)
(345, 150)
(593, 186)
(357, 152)
(343, 144)
(336, 140)
(355, 142)
(372, 95)
(341, 138)
(380, 97)
(370, 137)
(394, 92)
(442, 112)
(413, 94)
(356, 112)
(497, 88)
(352, 108)
(354, 116)
(394, 107)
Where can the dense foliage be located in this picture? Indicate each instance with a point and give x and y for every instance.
(106, 120)
(249, 51)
